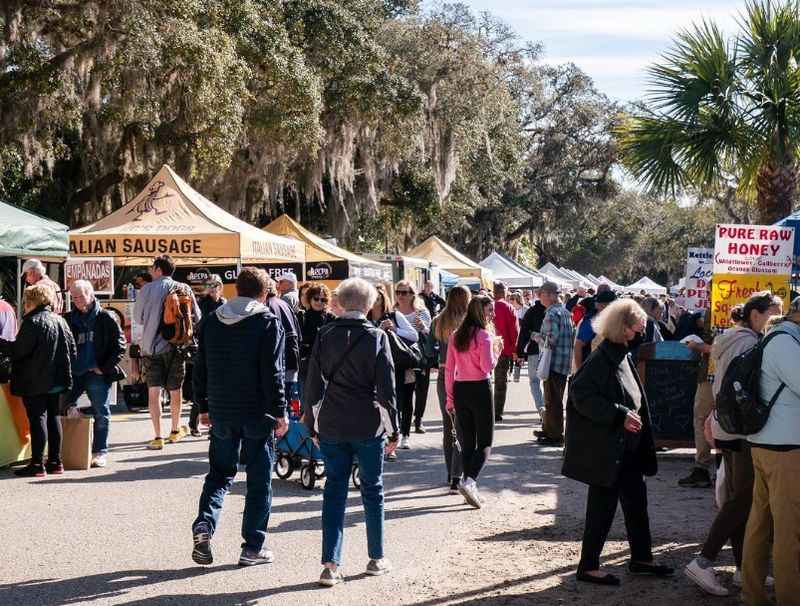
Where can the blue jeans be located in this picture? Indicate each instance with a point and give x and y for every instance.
(98, 390)
(536, 384)
(338, 458)
(256, 441)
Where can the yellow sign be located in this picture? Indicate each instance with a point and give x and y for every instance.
(729, 290)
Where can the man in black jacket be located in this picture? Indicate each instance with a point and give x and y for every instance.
(527, 347)
(238, 384)
(100, 346)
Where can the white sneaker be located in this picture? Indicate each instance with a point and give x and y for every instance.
(704, 578)
(99, 460)
(404, 443)
(469, 491)
(380, 567)
(737, 579)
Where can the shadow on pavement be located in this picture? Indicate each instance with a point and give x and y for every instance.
(105, 586)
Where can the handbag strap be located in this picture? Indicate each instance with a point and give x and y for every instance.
(341, 361)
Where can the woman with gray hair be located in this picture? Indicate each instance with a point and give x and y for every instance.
(610, 444)
(42, 357)
(350, 407)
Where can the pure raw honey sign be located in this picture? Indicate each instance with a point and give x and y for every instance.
(749, 259)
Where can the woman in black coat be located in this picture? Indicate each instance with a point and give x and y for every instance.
(609, 444)
(41, 357)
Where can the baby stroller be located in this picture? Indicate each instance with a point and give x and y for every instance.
(296, 450)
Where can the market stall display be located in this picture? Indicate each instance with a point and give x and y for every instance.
(326, 262)
(23, 235)
(448, 258)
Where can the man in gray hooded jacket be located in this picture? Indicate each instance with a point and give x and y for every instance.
(239, 387)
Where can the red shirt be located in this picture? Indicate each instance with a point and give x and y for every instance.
(506, 325)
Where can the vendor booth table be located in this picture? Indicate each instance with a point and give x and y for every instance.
(24, 235)
(326, 262)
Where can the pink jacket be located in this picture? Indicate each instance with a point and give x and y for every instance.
(475, 364)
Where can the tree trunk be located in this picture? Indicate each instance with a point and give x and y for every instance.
(777, 188)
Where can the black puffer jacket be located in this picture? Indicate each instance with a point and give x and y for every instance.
(531, 323)
(109, 341)
(42, 355)
(596, 411)
(238, 370)
(291, 330)
(359, 402)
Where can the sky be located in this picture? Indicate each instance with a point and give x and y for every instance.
(611, 40)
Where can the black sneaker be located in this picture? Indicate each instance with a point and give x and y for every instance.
(201, 554)
(250, 557)
(420, 428)
(650, 569)
(31, 471)
(699, 478)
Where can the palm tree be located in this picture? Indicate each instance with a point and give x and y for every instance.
(724, 112)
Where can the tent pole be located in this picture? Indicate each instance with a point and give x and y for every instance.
(19, 289)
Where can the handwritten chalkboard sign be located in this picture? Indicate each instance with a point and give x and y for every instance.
(669, 371)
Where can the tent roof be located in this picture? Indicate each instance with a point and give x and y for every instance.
(442, 254)
(168, 207)
(556, 275)
(511, 273)
(611, 283)
(647, 284)
(24, 234)
(317, 248)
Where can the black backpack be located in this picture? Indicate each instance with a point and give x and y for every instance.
(744, 413)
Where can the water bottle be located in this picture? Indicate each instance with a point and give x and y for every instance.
(295, 408)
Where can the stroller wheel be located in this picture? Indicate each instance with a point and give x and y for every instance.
(319, 470)
(307, 477)
(283, 467)
(356, 476)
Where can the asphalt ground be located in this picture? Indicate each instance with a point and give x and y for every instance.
(122, 535)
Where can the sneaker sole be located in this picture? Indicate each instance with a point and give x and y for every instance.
(198, 557)
(697, 581)
(469, 498)
(246, 562)
(330, 582)
(376, 573)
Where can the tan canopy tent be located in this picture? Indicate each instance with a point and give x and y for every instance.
(448, 258)
(326, 262)
(169, 217)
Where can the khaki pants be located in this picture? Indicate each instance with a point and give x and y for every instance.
(776, 504)
(703, 405)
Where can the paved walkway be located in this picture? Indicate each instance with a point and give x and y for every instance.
(122, 535)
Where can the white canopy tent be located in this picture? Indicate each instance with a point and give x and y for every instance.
(611, 283)
(510, 273)
(582, 281)
(554, 274)
(647, 285)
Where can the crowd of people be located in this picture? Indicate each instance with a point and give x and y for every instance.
(360, 359)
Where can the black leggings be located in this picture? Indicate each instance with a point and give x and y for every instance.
(43, 419)
(475, 419)
(405, 403)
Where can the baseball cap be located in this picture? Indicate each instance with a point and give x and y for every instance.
(289, 276)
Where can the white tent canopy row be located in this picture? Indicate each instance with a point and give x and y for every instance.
(647, 285)
(554, 274)
(582, 280)
(511, 273)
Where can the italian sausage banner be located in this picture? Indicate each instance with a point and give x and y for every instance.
(749, 259)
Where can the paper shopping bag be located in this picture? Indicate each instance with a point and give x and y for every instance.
(76, 442)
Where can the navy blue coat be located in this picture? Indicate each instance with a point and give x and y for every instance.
(238, 369)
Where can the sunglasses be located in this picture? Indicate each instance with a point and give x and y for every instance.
(403, 292)
(319, 299)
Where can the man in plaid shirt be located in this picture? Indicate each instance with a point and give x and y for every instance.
(558, 335)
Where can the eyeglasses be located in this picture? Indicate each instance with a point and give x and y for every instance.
(403, 292)
(319, 300)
